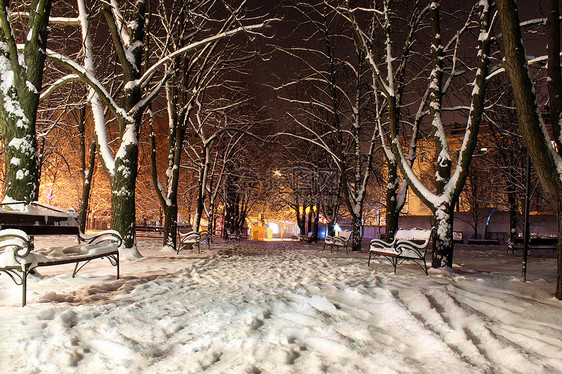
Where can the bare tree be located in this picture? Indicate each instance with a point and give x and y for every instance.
(243, 188)
(545, 150)
(297, 190)
(334, 98)
(369, 24)
(448, 182)
(129, 33)
(193, 74)
(21, 76)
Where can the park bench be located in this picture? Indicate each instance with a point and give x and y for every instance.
(235, 236)
(408, 245)
(20, 222)
(338, 242)
(306, 238)
(192, 239)
(483, 241)
(535, 243)
(149, 231)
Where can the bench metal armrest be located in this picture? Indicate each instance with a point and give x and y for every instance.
(340, 241)
(189, 237)
(16, 239)
(203, 235)
(403, 246)
(381, 244)
(107, 235)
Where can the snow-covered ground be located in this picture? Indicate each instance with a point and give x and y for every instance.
(284, 307)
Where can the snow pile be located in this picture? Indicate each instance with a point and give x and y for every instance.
(279, 309)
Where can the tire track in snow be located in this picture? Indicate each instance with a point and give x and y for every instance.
(528, 338)
(430, 313)
(501, 337)
(476, 331)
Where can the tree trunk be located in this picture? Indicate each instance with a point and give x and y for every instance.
(171, 225)
(315, 226)
(309, 218)
(330, 213)
(86, 188)
(392, 213)
(21, 164)
(554, 73)
(123, 195)
(202, 188)
(512, 204)
(301, 219)
(212, 219)
(533, 131)
(356, 233)
(19, 100)
(442, 240)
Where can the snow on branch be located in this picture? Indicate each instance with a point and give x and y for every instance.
(366, 10)
(119, 22)
(139, 107)
(58, 83)
(532, 61)
(89, 79)
(534, 21)
(363, 40)
(150, 71)
(39, 17)
(58, 20)
(67, 21)
(10, 42)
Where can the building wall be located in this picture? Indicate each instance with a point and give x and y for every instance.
(498, 225)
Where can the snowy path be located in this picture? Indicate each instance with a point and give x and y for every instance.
(289, 312)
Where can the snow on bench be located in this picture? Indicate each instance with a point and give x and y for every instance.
(408, 245)
(192, 239)
(340, 241)
(19, 222)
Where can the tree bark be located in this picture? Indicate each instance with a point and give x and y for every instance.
(545, 160)
(443, 239)
(170, 225)
(315, 225)
(356, 233)
(86, 188)
(123, 195)
(512, 204)
(19, 101)
(553, 68)
(392, 211)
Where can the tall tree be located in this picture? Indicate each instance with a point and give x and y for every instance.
(545, 151)
(129, 33)
(335, 105)
(192, 74)
(449, 182)
(390, 77)
(21, 76)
